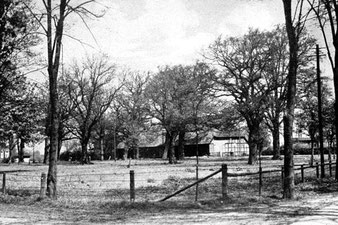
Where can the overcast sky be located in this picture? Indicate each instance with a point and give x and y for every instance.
(144, 34)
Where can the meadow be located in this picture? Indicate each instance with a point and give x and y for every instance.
(100, 192)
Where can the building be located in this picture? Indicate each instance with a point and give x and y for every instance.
(215, 143)
(210, 143)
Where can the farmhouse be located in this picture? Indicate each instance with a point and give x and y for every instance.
(214, 143)
(211, 143)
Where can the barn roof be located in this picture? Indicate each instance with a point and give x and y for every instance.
(204, 137)
(208, 136)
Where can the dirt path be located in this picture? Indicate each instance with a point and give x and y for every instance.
(321, 209)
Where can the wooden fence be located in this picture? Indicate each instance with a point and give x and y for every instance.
(225, 175)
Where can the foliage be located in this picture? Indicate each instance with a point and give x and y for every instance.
(326, 16)
(307, 116)
(133, 109)
(245, 64)
(16, 39)
(178, 97)
(90, 92)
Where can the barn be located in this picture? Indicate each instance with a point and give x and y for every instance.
(210, 143)
(214, 143)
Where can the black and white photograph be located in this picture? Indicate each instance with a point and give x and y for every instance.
(168, 112)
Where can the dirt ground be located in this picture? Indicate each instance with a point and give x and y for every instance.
(320, 209)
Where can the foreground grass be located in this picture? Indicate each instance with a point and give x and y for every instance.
(242, 194)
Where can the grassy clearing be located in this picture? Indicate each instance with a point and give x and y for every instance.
(104, 186)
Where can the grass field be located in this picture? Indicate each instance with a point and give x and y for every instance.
(104, 186)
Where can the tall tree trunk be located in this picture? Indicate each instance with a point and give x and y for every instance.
(312, 152)
(181, 153)
(289, 183)
(166, 145)
(276, 141)
(329, 150)
(254, 139)
(11, 147)
(21, 150)
(54, 51)
(59, 147)
(171, 147)
(84, 150)
(46, 151)
(335, 80)
(101, 148)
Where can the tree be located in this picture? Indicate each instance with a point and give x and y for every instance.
(276, 77)
(307, 105)
(329, 128)
(22, 118)
(91, 92)
(326, 14)
(243, 63)
(276, 81)
(294, 28)
(134, 109)
(56, 15)
(16, 39)
(17, 36)
(176, 95)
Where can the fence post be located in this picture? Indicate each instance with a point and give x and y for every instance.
(260, 181)
(132, 185)
(317, 169)
(302, 172)
(330, 167)
(224, 181)
(43, 185)
(282, 175)
(4, 183)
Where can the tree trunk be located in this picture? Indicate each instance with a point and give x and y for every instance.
(335, 80)
(329, 150)
(21, 150)
(101, 148)
(171, 153)
(84, 150)
(312, 153)
(254, 139)
(46, 151)
(275, 141)
(181, 153)
(59, 147)
(288, 191)
(54, 51)
(11, 148)
(166, 146)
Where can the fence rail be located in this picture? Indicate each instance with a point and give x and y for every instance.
(143, 186)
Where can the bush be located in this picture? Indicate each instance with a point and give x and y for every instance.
(75, 155)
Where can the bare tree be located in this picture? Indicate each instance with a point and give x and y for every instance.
(243, 64)
(176, 95)
(326, 14)
(91, 91)
(134, 109)
(294, 22)
(55, 16)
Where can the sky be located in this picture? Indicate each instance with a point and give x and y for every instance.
(144, 34)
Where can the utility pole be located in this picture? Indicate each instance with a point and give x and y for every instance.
(320, 117)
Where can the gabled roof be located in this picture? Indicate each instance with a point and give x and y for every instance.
(204, 137)
(208, 136)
